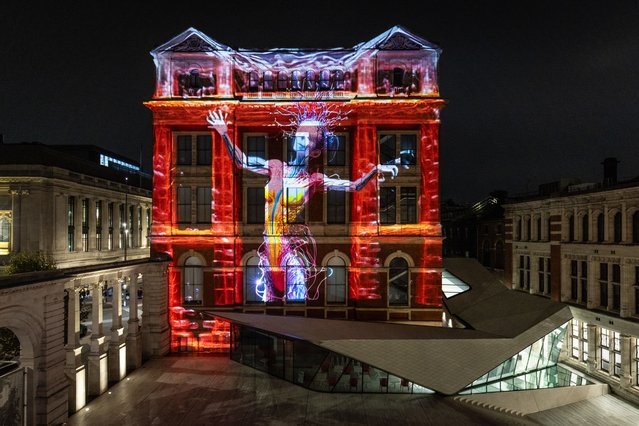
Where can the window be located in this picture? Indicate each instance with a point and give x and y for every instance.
(636, 352)
(98, 225)
(129, 235)
(338, 79)
(325, 80)
(184, 150)
(603, 285)
(254, 281)
(295, 279)
(584, 282)
(268, 81)
(398, 278)
(310, 83)
(85, 224)
(110, 224)
(335, 207)
(408, 205)
(282, 81)
(336, 150)
(387, 206)
(295, 205)
(5, 230)
(538, 228)
(635, 228)
(398, 77)
(585, 226)
(184, 205)
(574, 280)
(574, 339)
(636, 287)
(571, 228)
(296, 84)
(600, 228)
(296, 154)
(617, 227)
(122, 226)
(255, 205)
(255, 150)
(71, 223)
(254, 81)
(616, 287)
(524, 272)
(148, 223)
(139, 226)
(193, 281)
(336, 280)
(604, 349)
(584, 341)
(204, 204)
(548, 229)
(405, 152)
(528, 229)
(616, 353)
(204, 152)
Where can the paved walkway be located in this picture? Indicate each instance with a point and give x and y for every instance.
(212, 390)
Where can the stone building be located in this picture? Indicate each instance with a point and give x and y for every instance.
(578, 244)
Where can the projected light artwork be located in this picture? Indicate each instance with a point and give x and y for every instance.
(287, 259)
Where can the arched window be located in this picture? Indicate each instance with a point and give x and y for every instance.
(268, 81)
(10, 350)
(336, 280)
(296, 83)
(600, 228)
(282, 81)
(585, 225)
(193, 281)
(617, 227)
(310, 80)
(295, 279)
(254, 284)
(325, 80)
(571, 228)
(398, 279)
(635, 228)
(338, 79)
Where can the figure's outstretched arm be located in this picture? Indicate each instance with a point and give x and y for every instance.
(217, 121)
(359, 184)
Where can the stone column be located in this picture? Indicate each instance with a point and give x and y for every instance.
(75, 370)
(626, 362)
(592, 348)
(133, 336)
(117, 347)
(98, 377)
(155, 312)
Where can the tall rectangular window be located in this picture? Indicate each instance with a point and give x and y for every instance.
(616, 286)
(204, 152)
(184, 156)
(148, 223)
(408, 205)
(204, 205)
(122, 226)
(574, 339)
(129, 235)
(387, 149)
(336, 150)
(604, 349)
(584, 282)
(85, 224)
(255, 205)
(139, 226)
(335, 207)
(574, 279)
(584, 341)
(184, 204)
(296, 150)
(522, 274)
(603, 285)
(255, 150)
(110, 224)
(408, 149)
(548, 275)
(636, 287)
(71, 223)
(616, 353)
(387, 206)
(541, 275)
(295, 210)
(98, 225)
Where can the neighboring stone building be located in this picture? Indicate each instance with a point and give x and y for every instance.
(579, 244)
(299, 182)
(90, 209)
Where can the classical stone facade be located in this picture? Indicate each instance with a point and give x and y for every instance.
(581, 246)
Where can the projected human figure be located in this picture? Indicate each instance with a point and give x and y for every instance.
(287, 251)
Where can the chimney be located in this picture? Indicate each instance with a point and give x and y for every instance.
(610, 171)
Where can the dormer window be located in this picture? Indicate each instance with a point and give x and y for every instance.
(310, 80)
(338, 79)
(325, 80)
(268, 81)
(296, 84)
(282, 81)
(254, 81)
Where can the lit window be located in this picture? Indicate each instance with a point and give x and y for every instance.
(604, 349)
(255, 150)
(71, 224)
(254, 281)
(98, 225)
(268, 81)
(295, 205)
(336, 150)
(336, 280)
(193, 281)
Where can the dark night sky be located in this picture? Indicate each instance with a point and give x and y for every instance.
(536, 90)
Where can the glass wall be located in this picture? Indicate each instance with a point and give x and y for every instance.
(311, 366)
(535, 367)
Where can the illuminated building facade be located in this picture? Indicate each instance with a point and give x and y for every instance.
(296, 182)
